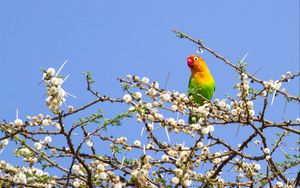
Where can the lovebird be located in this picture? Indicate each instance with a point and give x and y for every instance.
(201, 83)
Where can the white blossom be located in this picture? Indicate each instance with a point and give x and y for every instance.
(266, 150)
(118, 185)
(37, 145)
(165, 158)
(175, 180)
(50, 71)
(46, 122)
(76, 183)
(200, 145)
(155, 85)
(101, 167)
(181, 122)
(24, 151)
(222, 104)
(56, 81)
(136, 78)
(89, 143)
(76, 168)
(165, 97)
(70, 108)
(279, 184)
(137, 143)
(48, 139)
(127, 98)
(148, 105)
(178, 172)
(18, 122)
(204, 130)
(129, 76)
(187, 183)
(172, 121)
(137, 95)
(4, 142)
(145, 80)
(257, 167)
(250, 103)
(174, 108)
(21, 178)
(211, 128)
(103, 175)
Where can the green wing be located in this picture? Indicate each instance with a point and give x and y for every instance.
(196, 90)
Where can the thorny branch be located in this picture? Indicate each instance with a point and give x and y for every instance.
(89, 154)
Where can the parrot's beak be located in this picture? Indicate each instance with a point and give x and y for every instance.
(190, 62)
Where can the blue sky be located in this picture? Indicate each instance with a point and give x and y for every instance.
(115, 38)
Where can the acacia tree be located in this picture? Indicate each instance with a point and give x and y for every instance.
(89, 154)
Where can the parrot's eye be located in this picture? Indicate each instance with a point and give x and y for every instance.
(195, 58)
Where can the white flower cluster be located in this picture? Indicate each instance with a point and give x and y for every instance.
(30, 175)
(3, 143)
(184, 174)
(78, 169)
(56, 94)
(41, 119)
(141, 174)
(243, 87)
(183, 180)
(27, 154)
(280, 184)
(242, 110)
(272, 85)
(149, 107)
(121, 140)
(202, 111)
(99, 170)
(250, 170)
(180, 103)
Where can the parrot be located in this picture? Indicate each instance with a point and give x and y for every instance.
(201, 83)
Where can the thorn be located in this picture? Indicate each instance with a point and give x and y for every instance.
(273, 97)
(257, 71)
(237, 132)
(157, 128)
(142, 131)
(244, 57)
(66, 78)
(173, 158)
(61, 67)
(123, 160)
(285, 105)
(167, 134)
(167, 80)
(71, 95)
(17, 113)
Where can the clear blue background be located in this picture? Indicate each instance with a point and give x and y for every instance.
(115, 38)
